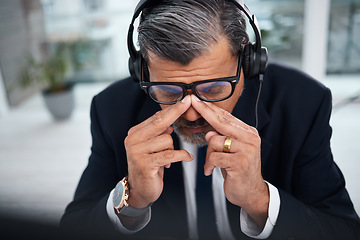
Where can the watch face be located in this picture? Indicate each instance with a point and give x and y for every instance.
(118, 194)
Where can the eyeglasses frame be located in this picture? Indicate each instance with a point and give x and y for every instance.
(233, 80)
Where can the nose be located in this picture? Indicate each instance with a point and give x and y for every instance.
(191, 114)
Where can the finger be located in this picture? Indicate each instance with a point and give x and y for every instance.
(167, 157)
(154, 145)
(221, 120)
(233, 119)
(160, 121)
(216, 144)
(183, 105)
(211, 134)
(216, 159)
(158, 144)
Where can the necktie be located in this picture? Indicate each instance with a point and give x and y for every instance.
(204, 200)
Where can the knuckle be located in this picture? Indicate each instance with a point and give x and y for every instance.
(168, 154)
(256, 140)
(161, 157)
(167, 139)
(158, 119)
(254, 130)
(223, 119)
(226, 114)
(131, 131)
(212, 141)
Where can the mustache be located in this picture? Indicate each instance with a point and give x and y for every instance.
(182, 122)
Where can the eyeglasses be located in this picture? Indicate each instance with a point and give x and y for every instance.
(212, 90)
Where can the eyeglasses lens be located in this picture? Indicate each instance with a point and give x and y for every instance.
(214, 90)
(166, 93)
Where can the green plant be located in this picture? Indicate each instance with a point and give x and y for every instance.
(50, 72)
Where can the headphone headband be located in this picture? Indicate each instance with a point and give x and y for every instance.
(254, 66)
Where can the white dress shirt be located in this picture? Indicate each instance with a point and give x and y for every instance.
(247, 224)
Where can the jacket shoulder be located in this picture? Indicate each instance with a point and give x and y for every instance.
(288, 78)
(295, 87)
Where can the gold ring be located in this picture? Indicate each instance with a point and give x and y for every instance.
(227, 144)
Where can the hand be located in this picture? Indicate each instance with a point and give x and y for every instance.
(241, 168)
(149, 148)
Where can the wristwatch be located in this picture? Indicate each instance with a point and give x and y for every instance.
(120, 198)
(121, 195)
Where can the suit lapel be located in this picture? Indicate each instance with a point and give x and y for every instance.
(245, 107)
(147, 108)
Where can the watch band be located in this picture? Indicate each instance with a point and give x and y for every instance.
(134, 212)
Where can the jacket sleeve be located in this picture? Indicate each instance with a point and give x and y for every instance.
(297, 220)
(318, 205)
(87, 211)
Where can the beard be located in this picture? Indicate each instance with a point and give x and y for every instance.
(194, 138)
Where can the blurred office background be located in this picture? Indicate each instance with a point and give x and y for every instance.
(41, 159)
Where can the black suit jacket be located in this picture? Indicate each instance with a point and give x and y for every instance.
(294, 112)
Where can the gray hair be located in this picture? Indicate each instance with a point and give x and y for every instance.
(181, 30)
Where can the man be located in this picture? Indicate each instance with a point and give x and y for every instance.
(276, 181)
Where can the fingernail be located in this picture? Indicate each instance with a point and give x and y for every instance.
(195, 98)
(186, 98)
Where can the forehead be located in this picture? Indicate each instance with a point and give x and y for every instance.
(217, 62)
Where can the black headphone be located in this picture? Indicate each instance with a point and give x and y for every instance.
(255, 57)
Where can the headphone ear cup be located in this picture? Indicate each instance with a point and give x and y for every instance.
(248, 60)
(131, 69)
(135, 68)
(263, 60)
(254, 64)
